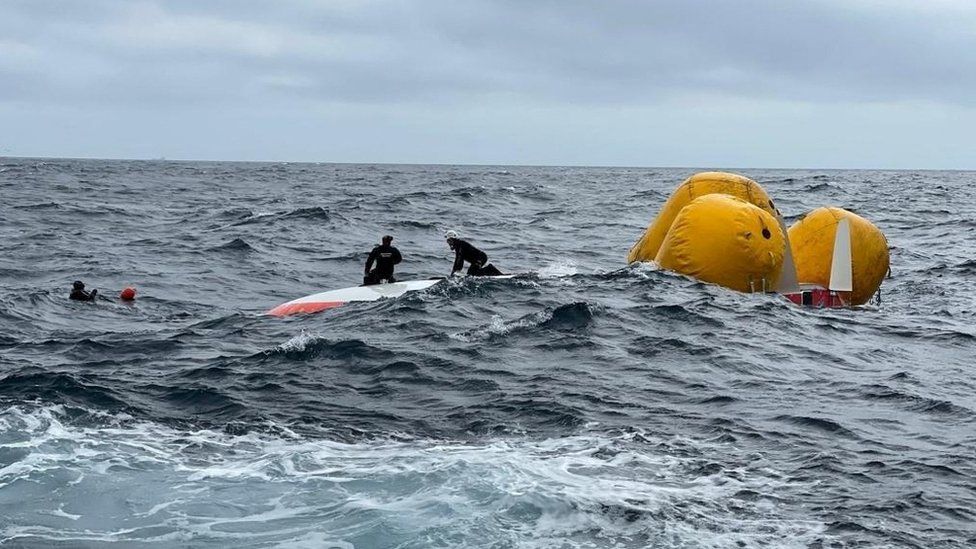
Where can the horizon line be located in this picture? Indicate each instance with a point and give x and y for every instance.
(474, 164)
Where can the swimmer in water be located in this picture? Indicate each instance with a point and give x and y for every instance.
(78, 292)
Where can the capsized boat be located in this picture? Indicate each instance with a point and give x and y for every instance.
(336, 298)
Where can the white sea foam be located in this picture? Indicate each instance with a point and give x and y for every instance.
(147, 483)
(298, 343)
(644, 269)
(559, 269)
(498, 326)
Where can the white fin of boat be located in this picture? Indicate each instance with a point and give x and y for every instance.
(841, 270)
(787, 283)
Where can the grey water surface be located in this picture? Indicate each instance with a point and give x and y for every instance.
(584, 403)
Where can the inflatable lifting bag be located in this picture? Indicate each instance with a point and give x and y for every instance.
(698, 185)
(812, 243)
(726, 241)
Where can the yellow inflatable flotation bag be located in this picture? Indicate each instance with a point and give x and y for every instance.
(812, 243)
(725, 240)
(700, 184)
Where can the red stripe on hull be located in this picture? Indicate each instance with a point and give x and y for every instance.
(817, 297)
(304, 308)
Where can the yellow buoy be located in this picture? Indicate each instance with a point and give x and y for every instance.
(812, 243)
(700, 184)
(725, 240)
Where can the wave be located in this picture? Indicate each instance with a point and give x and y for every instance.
(418, 224)
(684, 314)
(651, 346)
(558, 269)
(817, 187)
(817, 423)
(312, 213)
(41, 206)
(569, 317)
(918, 403)
(237, 245)
(591, 490)
(198, 400)
(574, 316)
(932, 334)
(967, 267)
(233, 216)
(46, 386)
(306, 346)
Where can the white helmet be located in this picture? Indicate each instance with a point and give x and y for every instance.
(451, 235)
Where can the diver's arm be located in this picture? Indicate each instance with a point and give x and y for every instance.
(82, 295)
(370, 260)
(397, 258)
(458, 260)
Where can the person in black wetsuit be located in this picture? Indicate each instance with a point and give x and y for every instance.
(385, 256)
(78, 292)
(464, 251)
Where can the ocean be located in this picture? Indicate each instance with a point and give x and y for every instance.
(583, 403)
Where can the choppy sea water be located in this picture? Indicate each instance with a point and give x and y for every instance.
(582, 404)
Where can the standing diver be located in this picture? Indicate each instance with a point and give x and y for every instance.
(385, 256)
(466, 252)
(78, 292)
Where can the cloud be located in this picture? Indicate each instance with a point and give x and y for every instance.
(449, 56)
(546, 51)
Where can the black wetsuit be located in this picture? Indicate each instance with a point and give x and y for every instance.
(82, 295)
(385, 257)
(477, 258)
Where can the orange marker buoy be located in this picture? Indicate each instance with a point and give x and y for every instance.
(128, 294)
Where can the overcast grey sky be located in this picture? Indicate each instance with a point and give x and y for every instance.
(736, 83)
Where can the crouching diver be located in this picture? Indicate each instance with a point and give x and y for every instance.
(464, 251)
(385, 256)
(78, 292)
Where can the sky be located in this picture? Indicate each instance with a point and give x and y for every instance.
(691, 83)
